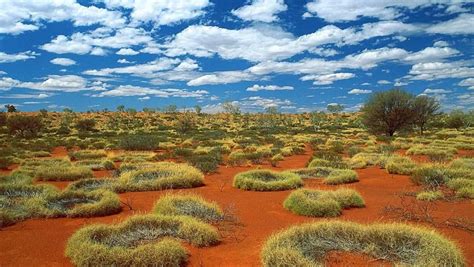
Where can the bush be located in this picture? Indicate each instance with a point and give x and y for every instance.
(267, 180)
(162, 175)
(189, 205)
(85, 125)
(319, 203)
(24, 125)
(308, 244)
(129, 243)
(87, 154)
(207, 163)
(139, 142)
(317, 162)
(430, 176)
(96, 165)
(429, 195)
(237, 158)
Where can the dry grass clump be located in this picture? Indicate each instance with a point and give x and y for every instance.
(308, 244)
(146, 240)
(93, 184)
(267, 180)
(400, 165)
(63, 173)
(320, 203)
(434, 153)
(130, 156)
(364, 159)
(87, 154)
(96, 164)
(189, 205)
(163, 175)
(429, 195)
(331, 176)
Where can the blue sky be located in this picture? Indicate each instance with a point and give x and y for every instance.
(298, 55)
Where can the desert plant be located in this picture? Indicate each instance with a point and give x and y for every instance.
(308, 244)
(86, 125)
(24, 125)
(331, 176)
(139, 142)
(87, 154)
(189, 205)
(267, 180)
(319, 203)
(399, 165)
(429, 195)
(146, 240)
(63, 173)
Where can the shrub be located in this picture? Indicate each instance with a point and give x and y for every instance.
(319, 203)
(85, 125)
(429, 195)
(362, 160)
(237, 158)
(92, 184)
(308, 244)
(430, 176)
(139, 142)
(189, 205)
(207, 163)
(163, 175)
(400, 165)
(63, 173)
(353, 150)
(24, 125)
(275, 159)
(139, 241)
(317, 162)
(96, 165)
(266, 180)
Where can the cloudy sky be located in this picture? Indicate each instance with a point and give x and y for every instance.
(298, 55)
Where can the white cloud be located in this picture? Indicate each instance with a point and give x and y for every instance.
(223, 77)
(127, 52)
(6, 83)
(144, 70)
(130, 90)
(460, 25)
(440, 44)
(440, 70)
(20, 16)
(349, 10)
(261, 10)
(359, 91)
(467, 82)
(431, 54)
(161, 12)
(64, 83)
(124, 61)
(63, 61)
(383, 82)
(328, 78)
(8, 58)
(95, 41)
(256, 88)
(436, 91)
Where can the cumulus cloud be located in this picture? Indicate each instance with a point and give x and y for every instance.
(223, 77)
(261, 10)
(467, 82)
(356, 91)
(59, 83)
(328, 78)
(20, 16)
(130, 90)
(63, 61)
(440, 70)
(435, 91)
(127, 52)
(256, 88)
(460, 25)
(144, 70)
(8, 58)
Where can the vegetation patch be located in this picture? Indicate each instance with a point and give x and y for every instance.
(320, 203)
(400, 165)
(267, 180)
(87, 154)
(331, 176)
(308, 244)
(429, 195)
(147, 240)
(163, 175)
(63, 173)
(189, 205)
(96, 165)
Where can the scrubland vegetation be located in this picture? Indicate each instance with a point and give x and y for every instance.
(99, 157)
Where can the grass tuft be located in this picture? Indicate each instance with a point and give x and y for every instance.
(267, 180)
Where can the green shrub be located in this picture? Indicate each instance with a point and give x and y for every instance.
(85, 125)
(237, 158)
(24, 125)
(139, 142)
(207, 163)
(404, 245)
(429, 195)
(163, 175)
(189, 205)
(353, 150)
(319, 203)
(96, 165)
(331, 176)
(431, 176)
(267, 180)
(92, 184)
(363, 159)
(317, 162)
(139, 241)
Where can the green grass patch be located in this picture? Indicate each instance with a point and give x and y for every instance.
(87, 154)
(63, 173)
(189, 205)
(331, 176)
(400, 165)
(429, 195)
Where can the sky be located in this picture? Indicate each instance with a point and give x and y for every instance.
(298, 55)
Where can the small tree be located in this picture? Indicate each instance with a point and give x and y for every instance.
(185, 123)
(24, 126)
(10, 108)
(198, 109)
(425, 108)
(85, 125)
(120, 108)
(231, 108)
(170, 109)
(388, 112)
(335, 108)
(456, 119)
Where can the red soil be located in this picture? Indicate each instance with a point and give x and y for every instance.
(43, 242)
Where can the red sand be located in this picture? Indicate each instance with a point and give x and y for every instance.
(42, 242)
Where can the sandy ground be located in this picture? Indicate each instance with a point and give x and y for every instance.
(41, 242)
